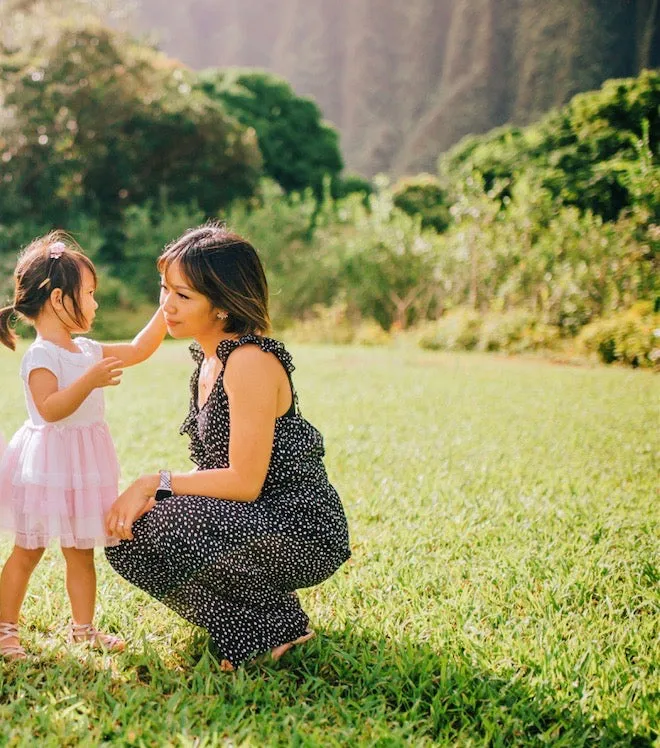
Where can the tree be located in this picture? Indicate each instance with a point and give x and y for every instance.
(93, 122)
(576, 152)
(298, 148)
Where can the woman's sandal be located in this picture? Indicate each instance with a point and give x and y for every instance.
(277, 652)
(10, 652)
(85, 633)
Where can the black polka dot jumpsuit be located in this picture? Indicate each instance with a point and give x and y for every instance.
(233, 567)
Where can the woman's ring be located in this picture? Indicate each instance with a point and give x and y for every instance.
(120, 523)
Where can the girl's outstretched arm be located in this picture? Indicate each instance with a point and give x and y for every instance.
(143, 344)
(54, 404)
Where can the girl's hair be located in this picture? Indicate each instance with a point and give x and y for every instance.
(226, 269)
(49, 262)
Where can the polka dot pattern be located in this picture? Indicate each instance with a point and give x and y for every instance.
(233, 567)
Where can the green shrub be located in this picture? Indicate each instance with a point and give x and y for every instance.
(515, 331)
(423, 196)
(458, 330)
(349, 184)
(631, 337)
(147, 230)
(100, 122)
(368, 332)
(512, 331)
(299, 149)
(121, 323)
(335, 325)
(586, 154)
(120, 314)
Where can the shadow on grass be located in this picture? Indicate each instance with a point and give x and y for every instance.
(356, 675)
(350, 684)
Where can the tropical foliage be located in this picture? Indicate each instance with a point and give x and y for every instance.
(299, 150)
(92, 123)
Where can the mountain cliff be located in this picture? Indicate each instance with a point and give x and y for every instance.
(404, 81)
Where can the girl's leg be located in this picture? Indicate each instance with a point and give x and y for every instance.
(13, 586)
(81, 587)
(81, 583)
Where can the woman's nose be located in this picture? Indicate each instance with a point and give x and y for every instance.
(166, 301)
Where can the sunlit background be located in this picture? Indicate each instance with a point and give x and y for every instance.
(481, 172)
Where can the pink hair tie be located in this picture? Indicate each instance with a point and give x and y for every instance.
(57, 250)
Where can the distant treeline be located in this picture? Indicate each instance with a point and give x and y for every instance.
(524, 238)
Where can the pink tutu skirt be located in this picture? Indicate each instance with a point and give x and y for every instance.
(58, 482)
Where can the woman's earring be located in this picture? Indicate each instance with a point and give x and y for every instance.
(222, 315)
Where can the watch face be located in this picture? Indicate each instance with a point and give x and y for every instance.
(162, 493)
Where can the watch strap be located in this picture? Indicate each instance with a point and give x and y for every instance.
(164, 490)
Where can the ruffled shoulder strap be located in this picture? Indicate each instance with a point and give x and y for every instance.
(196, 352)
(268, 345)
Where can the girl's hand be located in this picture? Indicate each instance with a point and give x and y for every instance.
(135, 501)
(106, 373)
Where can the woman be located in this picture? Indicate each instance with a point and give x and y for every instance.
(227, 545)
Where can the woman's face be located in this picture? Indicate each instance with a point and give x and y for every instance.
(188, 313)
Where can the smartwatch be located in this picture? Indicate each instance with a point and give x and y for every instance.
(164, 490)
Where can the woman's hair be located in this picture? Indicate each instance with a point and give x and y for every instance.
(49, 262)
(226, 269)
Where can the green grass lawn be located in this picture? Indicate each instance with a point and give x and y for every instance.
(503, 590)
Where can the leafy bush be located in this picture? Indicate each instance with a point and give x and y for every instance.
(464, 329)
(335, 325)
(349, 184)
(423, 196)
(564, 266)
(120, 315)
(301, 270)
(631, 337)
(147, 230)
(515, 331)
(458, 330)
(386, 265)
(580, 153)
(298, 148)
(368, 332)
(94, 122)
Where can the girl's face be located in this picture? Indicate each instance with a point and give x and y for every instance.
(86, 301)
(188, 313)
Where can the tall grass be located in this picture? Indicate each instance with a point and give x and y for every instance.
(503, 590)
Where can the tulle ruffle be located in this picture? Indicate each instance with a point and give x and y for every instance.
(57, 483)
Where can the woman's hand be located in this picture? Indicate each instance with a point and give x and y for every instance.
(135, 501)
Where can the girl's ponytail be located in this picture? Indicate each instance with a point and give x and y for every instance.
(7, 335)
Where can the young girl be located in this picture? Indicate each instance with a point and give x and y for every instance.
(59, 472)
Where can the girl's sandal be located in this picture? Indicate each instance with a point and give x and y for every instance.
(277, 652)
(10, 652)
(85, 633)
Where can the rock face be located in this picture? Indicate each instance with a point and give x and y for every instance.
(404, 81)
